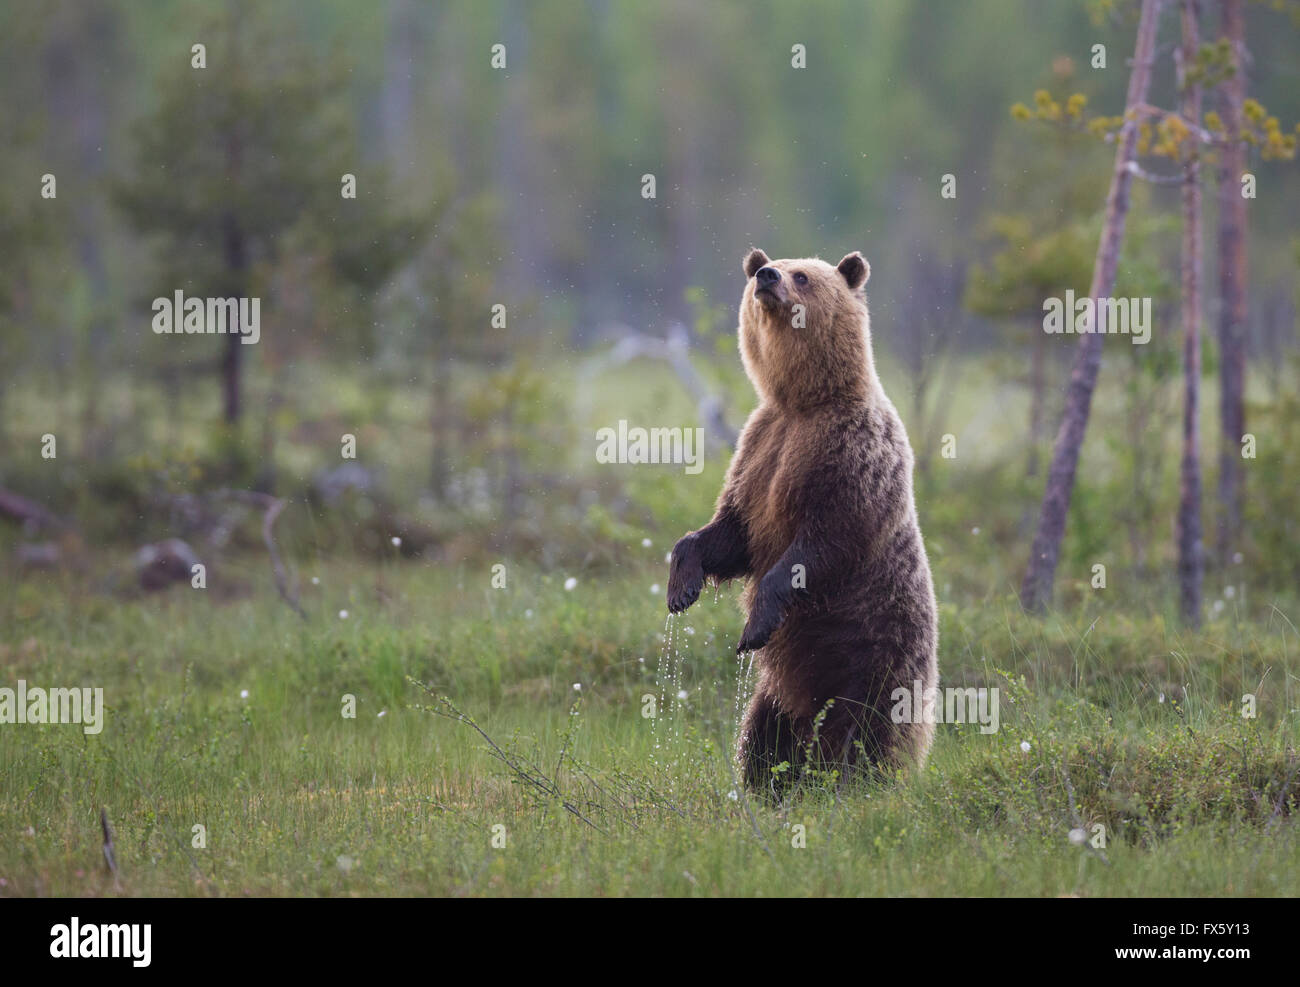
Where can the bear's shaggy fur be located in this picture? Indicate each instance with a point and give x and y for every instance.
(818, 506)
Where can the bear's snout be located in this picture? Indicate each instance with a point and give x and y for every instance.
(768, 289)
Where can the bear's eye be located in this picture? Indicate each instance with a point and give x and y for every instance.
(800, 278)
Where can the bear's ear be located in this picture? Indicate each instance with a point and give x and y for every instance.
(855, 270)
(754, 260)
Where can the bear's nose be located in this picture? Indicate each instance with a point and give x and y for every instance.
(767, 276)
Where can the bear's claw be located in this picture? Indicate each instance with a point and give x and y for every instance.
(685, 576)
(684, 596)
(758, 631)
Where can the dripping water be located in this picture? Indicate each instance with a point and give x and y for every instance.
(744, 671)
(662, 674)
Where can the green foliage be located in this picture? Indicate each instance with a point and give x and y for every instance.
(1270, 512)
(241, 163)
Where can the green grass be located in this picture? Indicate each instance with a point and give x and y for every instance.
(1132, 722)
(298, 800)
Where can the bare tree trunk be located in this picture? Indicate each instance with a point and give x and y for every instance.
(1037, 387)
(236, 261)
(1191, 559)
(1232, 287)
(1036, 590)
(231, 362)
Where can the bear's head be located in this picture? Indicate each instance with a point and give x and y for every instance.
(804, 330)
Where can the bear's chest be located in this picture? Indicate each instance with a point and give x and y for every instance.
(771, 485)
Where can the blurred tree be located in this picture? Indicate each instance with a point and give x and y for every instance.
(1187, 529)
(82, 46)
(1146, 129)
(241, 153)
(1034, 264)
(1036, 590)
(1045, 246)
(1232, 285)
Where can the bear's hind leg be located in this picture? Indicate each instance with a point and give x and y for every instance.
(767, 738)
(877, 748)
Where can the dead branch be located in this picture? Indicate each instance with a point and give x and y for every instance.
(1152, 177)
(533, 776)
(675, 351)
(110, 856)
(272, 506)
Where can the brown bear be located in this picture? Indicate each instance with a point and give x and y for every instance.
(817, 507)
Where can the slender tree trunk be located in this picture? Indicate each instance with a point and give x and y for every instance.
(1037, 387)
(1232, 288)
(232, 361)
(1191, 560)
(231, 370)
(1036, 590)
(235, 249)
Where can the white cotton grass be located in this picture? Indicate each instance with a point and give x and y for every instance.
(315, 580)
(1078, 837)
(397, 542)
(570, 584)
(654, 590)
(1024, 746)
(645, 542)
(243, 693)
(343, 615)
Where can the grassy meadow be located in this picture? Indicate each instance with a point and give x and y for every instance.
(499, 745)
(231, 718)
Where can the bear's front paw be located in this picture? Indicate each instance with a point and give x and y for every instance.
(760, 627)
(685, 575)
(765, 616)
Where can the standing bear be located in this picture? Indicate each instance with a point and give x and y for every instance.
(817, 509)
